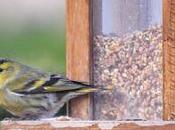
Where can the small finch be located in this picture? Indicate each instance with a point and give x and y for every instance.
(32, 94)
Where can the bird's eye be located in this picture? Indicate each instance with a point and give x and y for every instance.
(1, 70)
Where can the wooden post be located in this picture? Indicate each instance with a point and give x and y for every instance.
(165, 65)
(169, 58)
(79, 55)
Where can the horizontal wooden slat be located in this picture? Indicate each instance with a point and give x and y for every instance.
(87, 125)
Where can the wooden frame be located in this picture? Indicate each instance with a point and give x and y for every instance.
(79, 35)
(168, 59)
(87, 125)
(79, 52)
(165, 96)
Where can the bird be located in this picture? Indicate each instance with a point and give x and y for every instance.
(30, 93)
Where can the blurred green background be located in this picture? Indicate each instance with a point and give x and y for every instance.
(33, 32)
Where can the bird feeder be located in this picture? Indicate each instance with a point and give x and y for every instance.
(129, 46)
(122, 44)
(126, 45)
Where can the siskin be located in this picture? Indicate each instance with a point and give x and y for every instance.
(31, 94)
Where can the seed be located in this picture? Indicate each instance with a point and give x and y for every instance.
(132, 64)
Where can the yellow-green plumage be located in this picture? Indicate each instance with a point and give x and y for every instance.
(28, 93)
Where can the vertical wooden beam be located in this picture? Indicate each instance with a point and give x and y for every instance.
(79, 52)
(165, 18)
(169, 59)
(165, 65)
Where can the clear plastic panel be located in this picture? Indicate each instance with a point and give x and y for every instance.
(128, 56)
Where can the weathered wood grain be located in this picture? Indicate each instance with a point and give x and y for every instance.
(165, 65)
(86, 125)
(168, 59)
(79, 54)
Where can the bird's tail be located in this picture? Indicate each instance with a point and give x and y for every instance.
(59, 84)
(93, 88)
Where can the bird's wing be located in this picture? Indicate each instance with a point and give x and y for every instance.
(55, 83)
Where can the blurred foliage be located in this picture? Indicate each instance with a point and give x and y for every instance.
(42, 48)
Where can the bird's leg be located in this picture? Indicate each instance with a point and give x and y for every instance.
(67, 108)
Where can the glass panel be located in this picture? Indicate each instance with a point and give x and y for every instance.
(128, 57)
(33, 32)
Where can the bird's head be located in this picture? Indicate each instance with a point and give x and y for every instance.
(8, 69)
